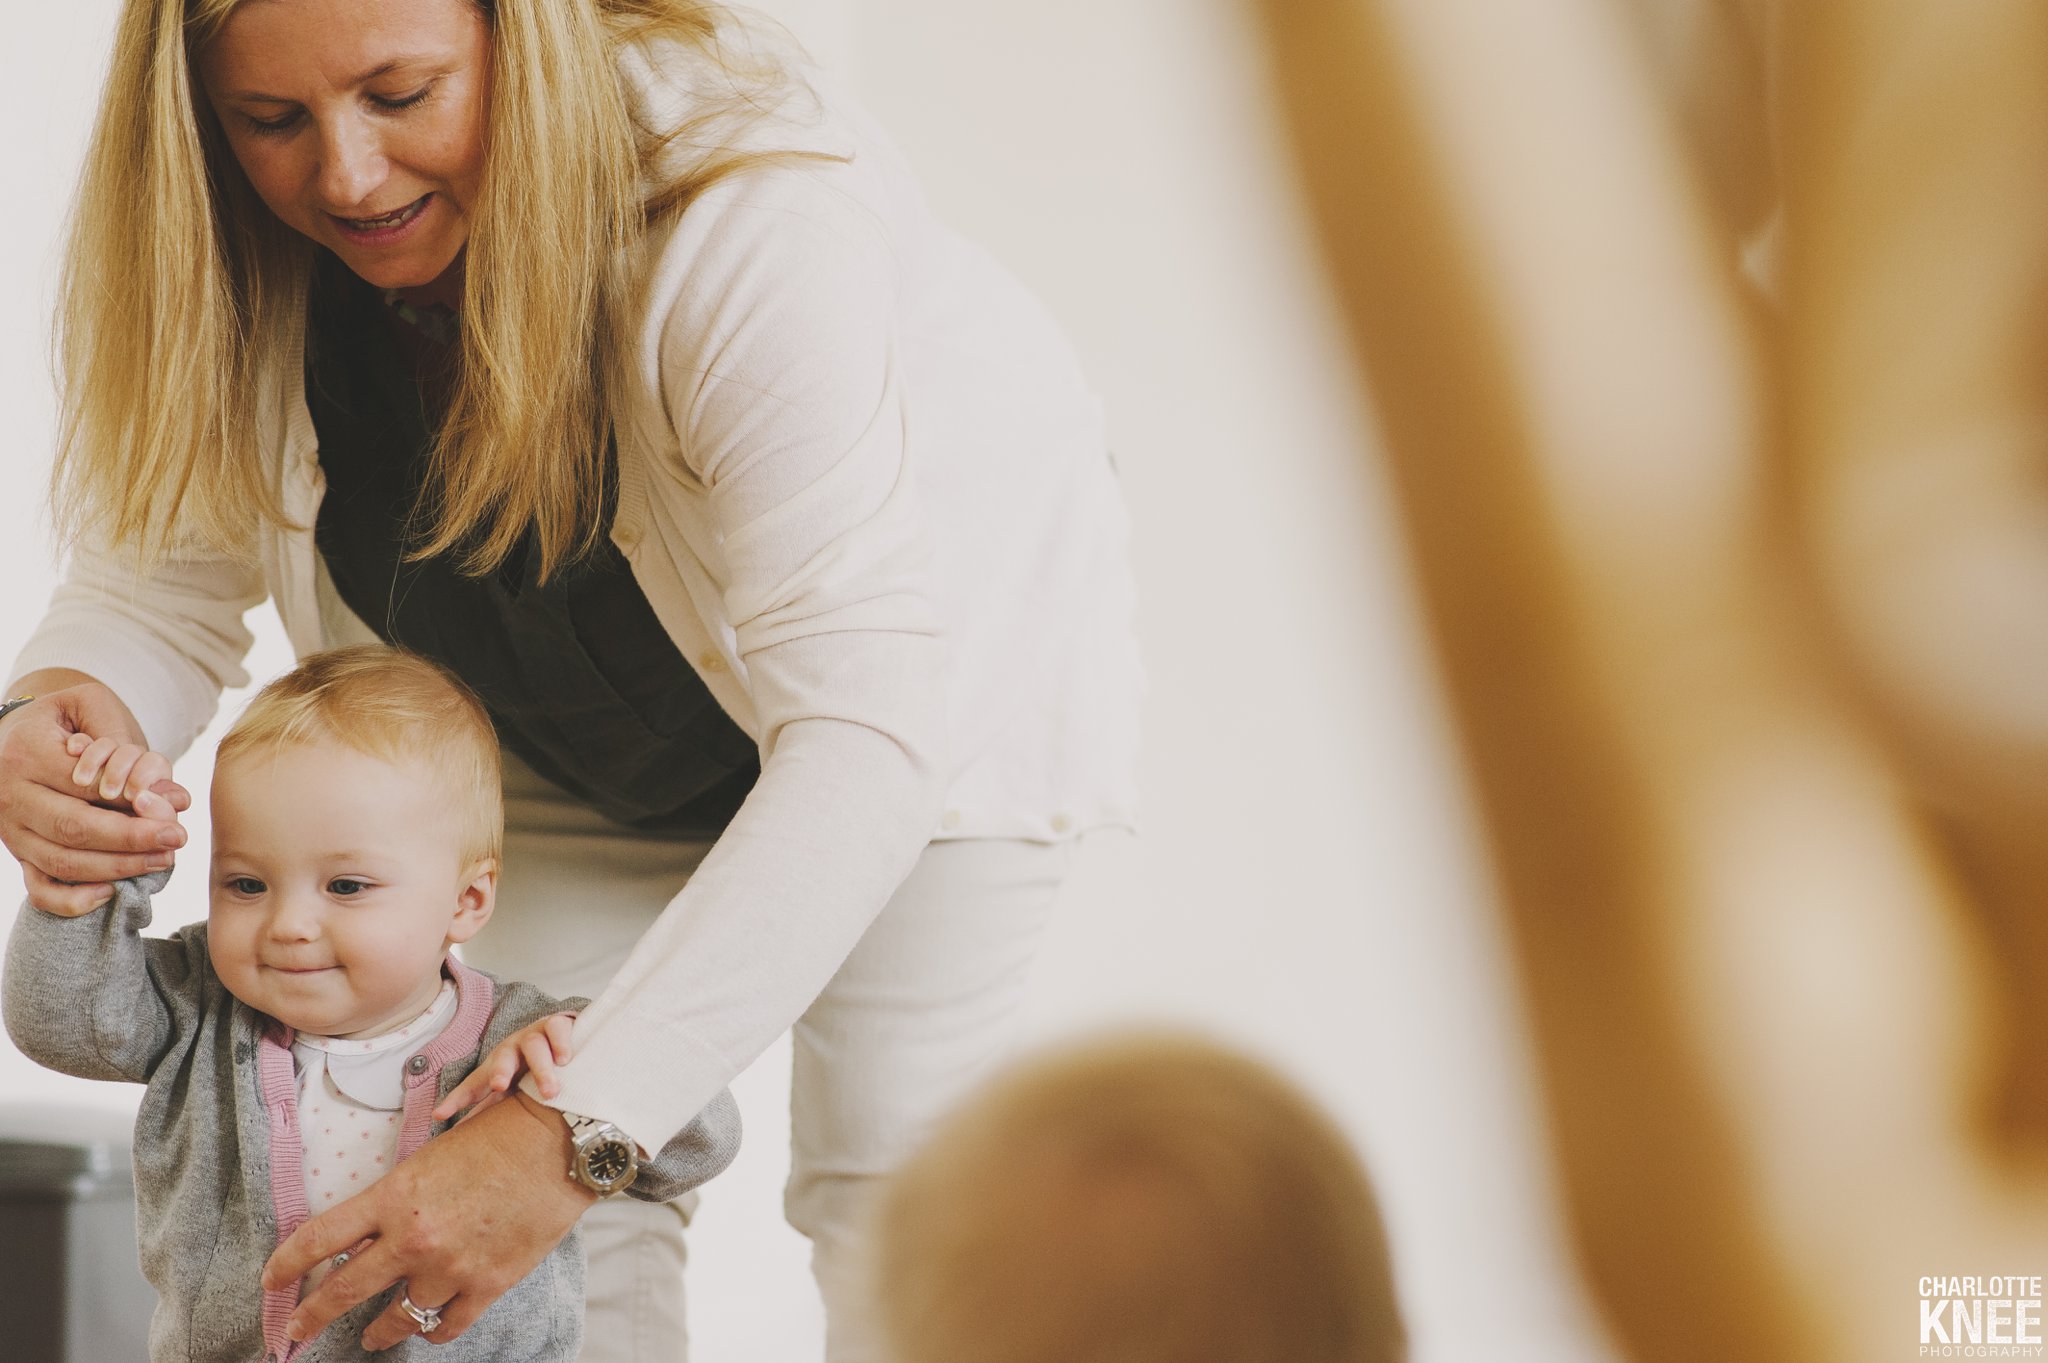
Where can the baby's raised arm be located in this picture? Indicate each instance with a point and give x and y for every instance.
(88, 994)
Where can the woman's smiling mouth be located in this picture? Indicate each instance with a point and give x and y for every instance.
(384, 226)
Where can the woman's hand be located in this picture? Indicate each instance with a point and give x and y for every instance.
(73, 838)
(465, 1218)
(538, 1046)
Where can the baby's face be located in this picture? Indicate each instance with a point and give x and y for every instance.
(338, 884)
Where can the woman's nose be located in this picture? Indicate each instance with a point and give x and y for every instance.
(352, 166)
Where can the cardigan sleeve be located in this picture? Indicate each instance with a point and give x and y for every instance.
(167, 642)
(781, 375)
(91, 996)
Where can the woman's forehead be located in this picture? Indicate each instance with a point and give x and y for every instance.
(307, 50)
(345, 40)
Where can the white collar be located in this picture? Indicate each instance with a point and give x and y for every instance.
(371, 1070)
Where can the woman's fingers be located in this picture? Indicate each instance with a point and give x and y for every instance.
(61, 898)
(395, 1325)
(51, 807)
(468, 1215)
(53, 755)
(62, 859)
(328, 1235)
(368, 1271)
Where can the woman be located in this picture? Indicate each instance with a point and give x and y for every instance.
(589, 348)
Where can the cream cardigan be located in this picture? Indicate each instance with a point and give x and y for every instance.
(864, 487)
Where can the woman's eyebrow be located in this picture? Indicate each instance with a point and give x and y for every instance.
(382, 69)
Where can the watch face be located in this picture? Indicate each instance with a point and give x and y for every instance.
(609, 1162)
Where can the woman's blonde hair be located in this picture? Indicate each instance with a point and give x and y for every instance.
(1151, 1198)
(394, 706)
(178, 283)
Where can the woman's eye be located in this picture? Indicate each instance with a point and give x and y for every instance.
(344, 887)
(403, 101)
(246, 885)
(270, 127)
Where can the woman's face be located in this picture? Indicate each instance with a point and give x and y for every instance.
(360, 123)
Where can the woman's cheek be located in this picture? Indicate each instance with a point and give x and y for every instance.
(268, 176)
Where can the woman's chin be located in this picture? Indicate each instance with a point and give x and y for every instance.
(384, 270)
(386, 274)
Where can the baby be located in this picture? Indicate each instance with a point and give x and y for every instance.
(316, 1030)
(1145, 1197)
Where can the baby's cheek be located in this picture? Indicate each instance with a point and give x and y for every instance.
(214, 947)
(229, 954)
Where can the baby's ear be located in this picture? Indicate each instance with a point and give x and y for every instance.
(474, 902)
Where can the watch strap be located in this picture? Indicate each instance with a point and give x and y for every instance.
(13, 703)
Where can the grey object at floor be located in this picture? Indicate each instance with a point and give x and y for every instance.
(70, 1287)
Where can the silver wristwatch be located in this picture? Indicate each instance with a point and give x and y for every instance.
(13, 703)
(605, 1159)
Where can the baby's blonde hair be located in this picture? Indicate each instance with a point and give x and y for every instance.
(394, 706)
(1145, 1199)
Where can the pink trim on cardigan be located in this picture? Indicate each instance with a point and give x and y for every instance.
(474, 999)
(287, 1173)
(278, 1078)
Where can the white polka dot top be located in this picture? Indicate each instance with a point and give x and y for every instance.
(351, 1100)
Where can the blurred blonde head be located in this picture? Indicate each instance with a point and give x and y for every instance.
(1145, 1199)
(181, 290)
(396, 707)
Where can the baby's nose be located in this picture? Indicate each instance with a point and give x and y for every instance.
(294, 922)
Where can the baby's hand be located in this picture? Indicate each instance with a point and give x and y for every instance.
(538, 1046)
(122, 772)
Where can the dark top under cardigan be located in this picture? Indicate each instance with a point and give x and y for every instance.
(578, 674)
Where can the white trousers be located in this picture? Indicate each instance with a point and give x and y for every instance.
(925, 1004)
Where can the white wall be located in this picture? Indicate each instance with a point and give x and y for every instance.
(1306, 883)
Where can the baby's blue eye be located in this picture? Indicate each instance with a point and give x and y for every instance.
(344, 887)
(246, 885)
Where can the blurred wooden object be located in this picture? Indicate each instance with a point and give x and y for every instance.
(1743, 615)
(1917, 354)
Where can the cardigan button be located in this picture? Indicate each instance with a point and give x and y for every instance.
(951, 819)
(1061, 823)
(416, 1065)
(712, 662)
